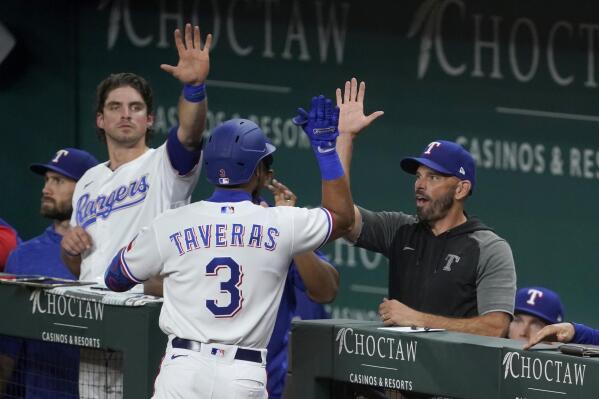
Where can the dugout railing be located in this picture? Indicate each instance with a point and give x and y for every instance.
(38, 314)
(329, 354)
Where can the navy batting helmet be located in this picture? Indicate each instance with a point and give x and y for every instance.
(540, 302)
(233, 151)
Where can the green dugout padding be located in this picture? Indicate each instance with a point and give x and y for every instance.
(134, 331)
(438, 363)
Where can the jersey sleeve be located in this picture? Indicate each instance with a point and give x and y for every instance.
(379, 229)
(181, 159)
(496, 277)
(12, 263)
(179, 170)
(585, 335)
(311, 229)
(141, 259)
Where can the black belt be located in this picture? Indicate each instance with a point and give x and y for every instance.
(249, 355)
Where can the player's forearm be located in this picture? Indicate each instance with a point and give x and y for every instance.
(73, 262)
(154, 286)
(494, 324)
(336, 198)
(344, 149)
(320, 278)
(192, 122)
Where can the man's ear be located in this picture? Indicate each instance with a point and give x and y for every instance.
(463, 189)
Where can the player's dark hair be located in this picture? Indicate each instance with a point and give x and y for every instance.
(114, 81)
(268, 161)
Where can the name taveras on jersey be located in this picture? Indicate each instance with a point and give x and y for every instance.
(225, 235)
(122, 197)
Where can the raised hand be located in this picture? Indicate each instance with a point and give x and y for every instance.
(352, 119)
(283, 195)
(194, 61)
(320, 124)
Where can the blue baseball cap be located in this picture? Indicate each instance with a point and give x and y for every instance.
(445, 157)
(70, 162)
(540, 302)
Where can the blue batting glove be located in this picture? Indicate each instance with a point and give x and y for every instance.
(320, 123)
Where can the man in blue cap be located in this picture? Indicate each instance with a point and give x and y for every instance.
(536, 307)
(446, 269)
(49, 368)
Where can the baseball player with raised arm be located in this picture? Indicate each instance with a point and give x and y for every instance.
(114, 200)
(225, 259)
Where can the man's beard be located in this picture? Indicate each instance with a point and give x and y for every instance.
(436, 209)
(51, 210)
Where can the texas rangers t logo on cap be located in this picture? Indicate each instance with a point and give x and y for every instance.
(533, 296)
(430, 147)
(59, 154)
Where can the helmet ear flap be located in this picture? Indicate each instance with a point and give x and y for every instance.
(233, 151)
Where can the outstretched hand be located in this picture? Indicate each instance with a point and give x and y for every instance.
(194, 61)
(352, 119)
(320, 124)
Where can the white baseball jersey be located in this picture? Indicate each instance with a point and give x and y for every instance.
(112, 206)
(225, 265)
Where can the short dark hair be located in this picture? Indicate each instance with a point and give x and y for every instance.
(114, 81)
(268, 161)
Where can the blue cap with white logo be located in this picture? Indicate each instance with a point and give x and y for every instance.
(445, 157)
(540, 302)
(69, 162)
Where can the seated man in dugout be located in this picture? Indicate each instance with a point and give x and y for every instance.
(536, 307)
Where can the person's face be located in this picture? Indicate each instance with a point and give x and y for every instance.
(435, 194)
(525, 326)
(125, 117)
(56, 196)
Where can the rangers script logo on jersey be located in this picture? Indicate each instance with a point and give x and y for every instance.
(124, 196)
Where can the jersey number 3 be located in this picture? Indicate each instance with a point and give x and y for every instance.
(231, 286)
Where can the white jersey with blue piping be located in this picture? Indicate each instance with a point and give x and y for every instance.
(112, 206)
(224, 261)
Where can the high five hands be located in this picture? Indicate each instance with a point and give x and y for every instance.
(350, 101)
(194, 59)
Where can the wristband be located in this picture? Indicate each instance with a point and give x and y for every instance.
(329, 163)
(194, 94)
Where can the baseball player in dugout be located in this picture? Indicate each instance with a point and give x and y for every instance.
(446, 269)
(47, 367)
(114, 200)
(536, 307)
(225, 259)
